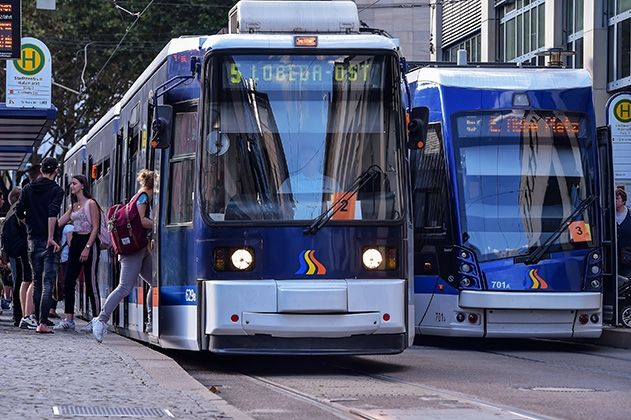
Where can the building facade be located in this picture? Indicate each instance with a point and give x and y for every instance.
(598, 31)
(407, 20)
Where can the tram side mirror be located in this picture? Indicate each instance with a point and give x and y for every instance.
(161, 127)
(417, 128)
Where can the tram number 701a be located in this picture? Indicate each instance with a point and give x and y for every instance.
(500, 285)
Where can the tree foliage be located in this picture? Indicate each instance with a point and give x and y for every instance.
(99, 47)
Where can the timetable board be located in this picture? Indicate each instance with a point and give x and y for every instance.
(10, 29)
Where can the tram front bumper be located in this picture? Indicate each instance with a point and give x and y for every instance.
(530, 300)
(303, 309)
(537, 314)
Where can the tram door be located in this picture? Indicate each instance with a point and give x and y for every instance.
(117, 197)
(154, 158)
(132, 316)
(607, 197)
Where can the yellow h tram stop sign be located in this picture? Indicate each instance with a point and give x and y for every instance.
(28, 113)
(619, 122)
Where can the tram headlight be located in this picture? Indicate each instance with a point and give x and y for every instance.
(465, 268)
(372, 258)
(242, 259)
(595, 269)
(233, 259)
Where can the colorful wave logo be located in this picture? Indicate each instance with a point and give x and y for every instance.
(537, 281)
(309, 265)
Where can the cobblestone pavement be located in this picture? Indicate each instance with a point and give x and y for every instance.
(40, 372)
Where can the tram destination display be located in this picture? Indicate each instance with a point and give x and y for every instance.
(10, 29)
(518, 124)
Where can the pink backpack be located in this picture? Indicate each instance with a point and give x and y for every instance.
(104, 235)
(125, 227)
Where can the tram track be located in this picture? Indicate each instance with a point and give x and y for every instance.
(336, 409)
(518, 350)
(576, 348)
(522, 414)
(345, 412)
(344, 389)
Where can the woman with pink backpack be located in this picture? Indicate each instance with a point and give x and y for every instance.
(132, 264)
(85, 214)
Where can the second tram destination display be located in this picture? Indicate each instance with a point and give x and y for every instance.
(517, 123)
(10, 32)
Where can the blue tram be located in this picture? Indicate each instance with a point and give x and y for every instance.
(281, 223)
(507, 220)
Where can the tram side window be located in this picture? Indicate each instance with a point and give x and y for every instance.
(101, 181)
(182, 168)
(429, 182)
(133, 164)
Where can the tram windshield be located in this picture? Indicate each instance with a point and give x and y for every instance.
(286, 135)
(520, 175)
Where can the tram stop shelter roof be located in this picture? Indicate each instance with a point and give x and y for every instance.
(21, 133)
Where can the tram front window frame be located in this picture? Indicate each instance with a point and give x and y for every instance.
(267, 138)
(521, 179)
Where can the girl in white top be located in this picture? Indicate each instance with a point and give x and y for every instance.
(83, 252)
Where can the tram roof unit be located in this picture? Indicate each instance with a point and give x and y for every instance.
(502, 78)
(315, 17)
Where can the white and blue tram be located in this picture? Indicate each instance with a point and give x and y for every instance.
(507, 218)
(281, 223)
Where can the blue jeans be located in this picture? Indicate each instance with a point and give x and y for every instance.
(44, 263)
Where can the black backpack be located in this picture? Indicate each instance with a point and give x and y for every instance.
(14, 237)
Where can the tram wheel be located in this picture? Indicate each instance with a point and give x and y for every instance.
(625, 316)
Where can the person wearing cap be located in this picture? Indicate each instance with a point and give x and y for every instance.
(39, 206)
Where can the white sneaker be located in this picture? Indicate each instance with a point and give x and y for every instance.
(87, 328)
(65, 325)
(98, 329)
(28, 323)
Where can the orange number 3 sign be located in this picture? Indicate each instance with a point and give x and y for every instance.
(580, 231)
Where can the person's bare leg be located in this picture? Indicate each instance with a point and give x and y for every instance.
(7, 292)
(29, 305)
(23, 292)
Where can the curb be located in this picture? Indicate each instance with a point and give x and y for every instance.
(615, 337)
(168, 374)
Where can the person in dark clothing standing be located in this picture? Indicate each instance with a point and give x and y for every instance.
(623, 220)
(15, 245)
(39, 204)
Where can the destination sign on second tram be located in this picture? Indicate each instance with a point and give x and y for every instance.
(10, 31)
(515, 125)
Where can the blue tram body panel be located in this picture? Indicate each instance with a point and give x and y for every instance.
(504, 296)
(563, 272)
(280, 252)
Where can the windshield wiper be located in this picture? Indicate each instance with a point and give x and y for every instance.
(342, 201)
(536, 255)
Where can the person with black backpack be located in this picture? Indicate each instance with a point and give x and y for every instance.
(39, 204)
(14, 245)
